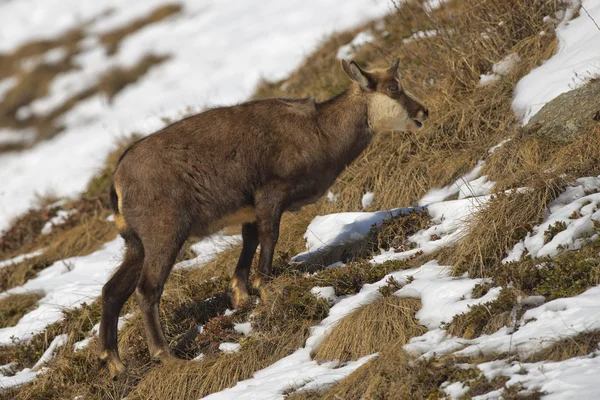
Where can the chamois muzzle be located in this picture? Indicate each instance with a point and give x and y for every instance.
(422, 116)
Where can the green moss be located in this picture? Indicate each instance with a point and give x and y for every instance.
(391, 286)
(481, 290)
(350, 278)
(484, 318)
(568, 276)
(553, 230)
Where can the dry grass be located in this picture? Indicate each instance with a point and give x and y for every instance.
(372, 328)
(494, 230)
(582, 344)
(14, 306)
(392, 375)
(182, 380)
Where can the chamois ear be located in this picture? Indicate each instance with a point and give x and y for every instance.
(395, 70)
(357, 74)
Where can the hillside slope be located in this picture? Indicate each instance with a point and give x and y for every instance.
(483, 285)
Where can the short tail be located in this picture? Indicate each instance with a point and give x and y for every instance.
(115, 205)
(114, 199)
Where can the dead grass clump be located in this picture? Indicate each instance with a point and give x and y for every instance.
(579, 345)
(525, 159)
(485, 318)
(111, 40)
(24, 231)
(493, 231)
(14, 306)
(372, 328)
(195, 379)
(86, 237)
(392, 375)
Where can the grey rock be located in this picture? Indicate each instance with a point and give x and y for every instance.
(569, 115)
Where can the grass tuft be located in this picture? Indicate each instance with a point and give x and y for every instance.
(389, 321)
(14, 306)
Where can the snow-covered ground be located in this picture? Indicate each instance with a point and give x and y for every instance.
(274, 39)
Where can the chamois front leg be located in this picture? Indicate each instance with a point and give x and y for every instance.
(239, 283)
(268, 217)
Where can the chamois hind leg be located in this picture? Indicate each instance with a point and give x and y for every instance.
(268, 217)
(161, 250)
(239, 283)
(114, 294)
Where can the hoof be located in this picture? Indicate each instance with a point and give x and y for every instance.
(259, 284)
(239, 297)
(239, 293)
(115, 365)
(164, 355)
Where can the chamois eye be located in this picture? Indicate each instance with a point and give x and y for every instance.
(393, 88)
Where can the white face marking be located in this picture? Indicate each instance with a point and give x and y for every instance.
(386, 114)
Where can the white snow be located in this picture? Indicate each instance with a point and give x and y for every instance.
(468, 185)
(10, 137)
(431, 5)
(325, 292)
(421, 35)
(332, 197)
(6, 85)
(245, 328)
(67, 284)
(208, 248)
(575, 62)
(455, 390)
(21, 258)
(347, 51)
(577, 209)
(501, 68)
(367, 200)
(337, 229)
(61, 217)
(200, 72)
(229, 347)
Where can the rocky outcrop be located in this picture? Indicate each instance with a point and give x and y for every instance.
(569, 115)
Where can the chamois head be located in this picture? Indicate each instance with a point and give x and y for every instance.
(390, 106)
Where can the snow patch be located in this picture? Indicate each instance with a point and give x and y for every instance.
(347, 51)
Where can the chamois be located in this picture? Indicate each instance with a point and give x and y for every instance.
(245, 164)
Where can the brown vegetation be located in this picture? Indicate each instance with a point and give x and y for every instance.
(14, 306)
(372, 328)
